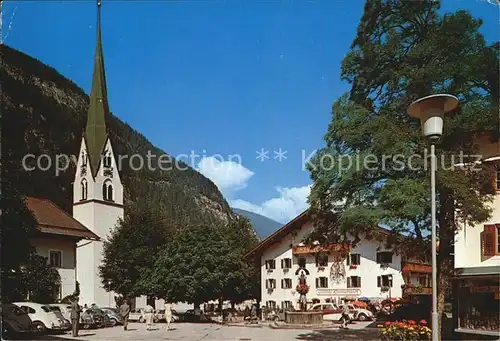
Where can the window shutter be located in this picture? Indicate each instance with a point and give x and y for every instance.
(267, 284)
(282, 264)
(488, 239)
(348, 282)
(326, 282)
(348, 260)
(282, 286)
(359, 282)
(267, 265)
(378, 258)
(274, 264)
(379, 281)
(317, 282)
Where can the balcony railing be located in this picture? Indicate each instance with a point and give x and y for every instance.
(320, 248)
(416, 290)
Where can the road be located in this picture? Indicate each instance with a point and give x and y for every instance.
(215, 332)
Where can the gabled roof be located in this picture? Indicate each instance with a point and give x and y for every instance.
(52, 219)
(95, 131)
(294, 224)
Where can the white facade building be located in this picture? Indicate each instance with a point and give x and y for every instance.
(477, 262)
(369, 271)
(56, 239)
(97, 189)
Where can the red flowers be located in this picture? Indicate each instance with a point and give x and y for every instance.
(302, 289)
(423, 322)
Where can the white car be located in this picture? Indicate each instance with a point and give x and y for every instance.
(44, 317)
(359, 314)
(136, 315)
(330, 311)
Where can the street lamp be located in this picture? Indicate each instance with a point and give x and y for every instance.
(430, 110)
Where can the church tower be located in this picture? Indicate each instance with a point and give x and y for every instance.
(97, 189)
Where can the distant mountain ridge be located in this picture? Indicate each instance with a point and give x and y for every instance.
(264, 226)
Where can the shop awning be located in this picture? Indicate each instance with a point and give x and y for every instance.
(478, 271)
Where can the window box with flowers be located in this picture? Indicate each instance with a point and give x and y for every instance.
(353, 266)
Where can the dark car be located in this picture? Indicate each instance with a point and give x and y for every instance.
(99, 318)
(115, 318)
(15, 322)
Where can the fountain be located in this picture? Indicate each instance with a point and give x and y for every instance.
(303, 316)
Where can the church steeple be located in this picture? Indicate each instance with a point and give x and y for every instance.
(95, 131)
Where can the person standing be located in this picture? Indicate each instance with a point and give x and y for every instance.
(168, 314)
(125, 312)
(75, 316)
(149, 311)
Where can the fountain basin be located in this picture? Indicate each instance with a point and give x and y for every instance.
(304, 317)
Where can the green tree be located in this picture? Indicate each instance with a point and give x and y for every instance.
(132, 249)
(39, 281)
(404, 50)
(243, 280)
(193, 268)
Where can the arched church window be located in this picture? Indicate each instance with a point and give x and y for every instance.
(110, 192)
(83, 185)
(107, 191)
(107, 161)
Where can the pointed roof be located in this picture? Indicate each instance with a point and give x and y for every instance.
(95, 131)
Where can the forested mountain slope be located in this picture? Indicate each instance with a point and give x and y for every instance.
(45, 113)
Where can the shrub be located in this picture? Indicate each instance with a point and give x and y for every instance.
(405, 331)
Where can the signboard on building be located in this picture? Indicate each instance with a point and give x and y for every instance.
(338, 292)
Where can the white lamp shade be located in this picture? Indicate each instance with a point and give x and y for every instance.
(430, 110)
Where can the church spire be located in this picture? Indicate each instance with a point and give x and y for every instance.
(95, 131)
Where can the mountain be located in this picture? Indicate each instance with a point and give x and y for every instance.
(262, 225)
(45, 113)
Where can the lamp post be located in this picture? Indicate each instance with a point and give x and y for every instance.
(430, 110)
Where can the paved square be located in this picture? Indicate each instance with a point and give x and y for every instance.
(215, 332)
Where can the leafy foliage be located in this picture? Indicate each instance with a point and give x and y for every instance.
(405, 50)
(39, 281)
(203, 263)
(132, 249)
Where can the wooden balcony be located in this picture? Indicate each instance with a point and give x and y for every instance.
(297, 250)
(409, 290)
(416, 268)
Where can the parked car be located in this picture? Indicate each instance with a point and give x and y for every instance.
(160, 315)
(114, 316)
(136, 315)
(97, 316)
(359, 314)
(43, 317)
(15, 322)
(59, 315)
(331, 312)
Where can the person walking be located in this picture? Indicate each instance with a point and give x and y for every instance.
(168, 314)
(75, 316)
(149, 311)
(125, 312)
(345, 316)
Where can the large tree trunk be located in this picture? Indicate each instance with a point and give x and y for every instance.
(445, 260)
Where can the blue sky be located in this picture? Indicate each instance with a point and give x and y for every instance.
(215, 78)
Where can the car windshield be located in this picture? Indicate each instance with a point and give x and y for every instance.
(54, 308)
(46, 308)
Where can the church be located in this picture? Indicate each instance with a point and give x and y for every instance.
(97, 188)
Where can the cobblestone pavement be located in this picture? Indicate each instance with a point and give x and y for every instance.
(215, 332)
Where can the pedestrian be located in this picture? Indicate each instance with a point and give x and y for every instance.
(345, 315)
(75, 316)
(168, 314)
(149, 311)
(125, 311)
